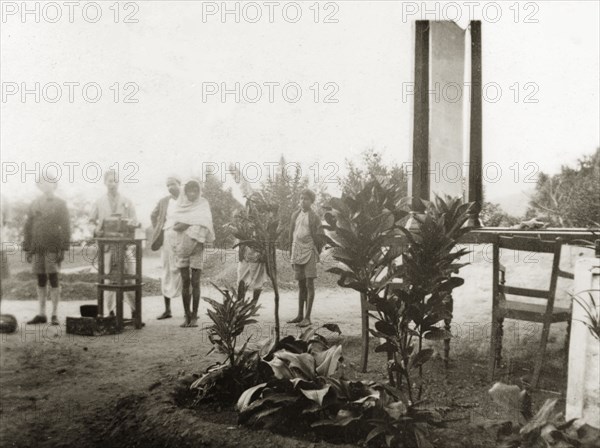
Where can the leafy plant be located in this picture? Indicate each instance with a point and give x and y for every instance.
(363, 230)
(410, 314)
(517, 427)
(228, 378)
(258, 228)
(592, 311)
(423, 298)
(400, 423)
(305, 393)
(364, 233)
(301, 369)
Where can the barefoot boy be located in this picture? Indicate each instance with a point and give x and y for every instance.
(306, 234)
(194, 228)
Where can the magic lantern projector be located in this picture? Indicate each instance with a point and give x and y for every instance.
(117, 227)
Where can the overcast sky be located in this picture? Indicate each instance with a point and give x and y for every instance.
(171, 56)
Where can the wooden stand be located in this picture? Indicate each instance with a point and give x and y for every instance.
(120, 281)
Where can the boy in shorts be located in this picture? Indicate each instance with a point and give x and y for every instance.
(306, 234)
(47, 233)
(193, 229)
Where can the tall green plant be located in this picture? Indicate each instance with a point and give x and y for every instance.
(363, 229)
(258, 228)
(412, 312)
(364, 232)
(227, 379)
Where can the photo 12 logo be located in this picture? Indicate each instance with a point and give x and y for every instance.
(464, 12)
(255, 173)
(269, 91)
(71, 172)
(70, 12)
(491, 92)
(70, 92)
(491, 172)
(270, 12)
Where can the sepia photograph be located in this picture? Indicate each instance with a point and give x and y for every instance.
(300, 224)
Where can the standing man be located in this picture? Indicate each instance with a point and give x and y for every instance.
(110, 204)
(47, 234)
(306, 234)
(162, 238)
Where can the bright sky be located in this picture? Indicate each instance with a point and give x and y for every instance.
(172, 55)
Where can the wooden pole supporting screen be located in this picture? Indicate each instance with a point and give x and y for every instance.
(420, 161)
(476, 131)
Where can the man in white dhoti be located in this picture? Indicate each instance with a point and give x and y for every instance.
(163, 239)
(114, 203)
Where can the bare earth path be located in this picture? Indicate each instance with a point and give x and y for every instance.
(55, 388)
(51, 382)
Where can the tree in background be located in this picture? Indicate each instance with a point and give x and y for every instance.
(284, 189)
(570, 198)
(492, 215)
(370, 167)
(222, 206)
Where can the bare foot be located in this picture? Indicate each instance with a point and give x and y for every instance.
(304, 323)
(193, 322)
(186, 323)
(165, 315)
(295, 320)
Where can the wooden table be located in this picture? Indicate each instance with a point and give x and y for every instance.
(572, 236)
(488, 235)
(120, 281)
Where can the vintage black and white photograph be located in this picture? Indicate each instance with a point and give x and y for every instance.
(319, 224)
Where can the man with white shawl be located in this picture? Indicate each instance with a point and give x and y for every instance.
(194, 228)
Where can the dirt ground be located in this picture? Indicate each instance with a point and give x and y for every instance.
(59, 390)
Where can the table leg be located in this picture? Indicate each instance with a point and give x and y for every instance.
(100, 256)
(119, 310)
(100, 302)
(138, 308)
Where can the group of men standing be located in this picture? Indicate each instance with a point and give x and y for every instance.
(182, 226)
(306, 235)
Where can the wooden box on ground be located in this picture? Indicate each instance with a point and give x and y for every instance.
(92, 326)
